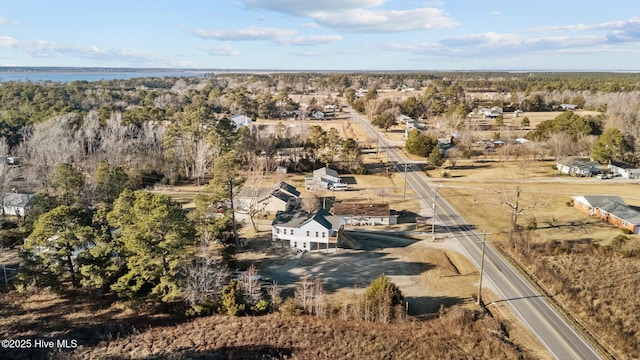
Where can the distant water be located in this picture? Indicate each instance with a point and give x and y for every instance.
(68, 76)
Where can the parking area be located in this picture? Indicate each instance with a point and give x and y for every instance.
(429, 274)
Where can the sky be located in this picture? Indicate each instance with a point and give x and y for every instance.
(323, 34)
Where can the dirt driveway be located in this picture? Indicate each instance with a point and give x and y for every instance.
(429, 274)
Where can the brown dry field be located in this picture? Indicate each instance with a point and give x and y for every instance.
(109, 328)
(115, 331)
(472, 190)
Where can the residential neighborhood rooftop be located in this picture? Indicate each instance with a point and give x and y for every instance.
(360, 209)
(300, 217)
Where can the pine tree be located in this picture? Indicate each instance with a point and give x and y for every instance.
(68, 185)
(231, 300)
(57, 237)
(155, 233)
(436, 157)
(110, 182)
(380, 298)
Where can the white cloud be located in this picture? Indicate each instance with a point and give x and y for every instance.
(381, 21)
(485, 39)
(6, 41)
(5, 21)
(498, 44)
(304, 8)
(611, 25)
(48, 49)
(220, 50)
(312, 40)
(363, 16)
(579, 27)
(331, 52)
(249, 33)
(628, 32)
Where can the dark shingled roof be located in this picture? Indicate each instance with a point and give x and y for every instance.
(295, 219)
(279, 194)
(361, 209)
(287, 188)
(615, 206)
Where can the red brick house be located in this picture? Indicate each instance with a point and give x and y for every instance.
(611, 209)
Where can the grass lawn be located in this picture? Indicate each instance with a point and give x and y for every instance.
(473, 191)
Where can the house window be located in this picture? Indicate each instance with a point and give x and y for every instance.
(323, 234)
(285, 231)
(304, 245)
(316, 234)
(624, 223)
(291, 231)
(603, 213)
(584, 206)
(277, 230)
(307, 233)
(295, 244)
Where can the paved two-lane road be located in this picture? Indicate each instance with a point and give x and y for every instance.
(553, 331)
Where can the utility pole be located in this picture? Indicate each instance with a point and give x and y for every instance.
(433, 222)
(404, 192)
(484, 244)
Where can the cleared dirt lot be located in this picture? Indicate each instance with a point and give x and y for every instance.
(429, 274)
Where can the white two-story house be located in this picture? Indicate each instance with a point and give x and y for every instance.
(306, 231)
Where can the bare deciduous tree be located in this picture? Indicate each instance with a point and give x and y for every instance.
(311, 202)
(258, 174)
(304, 293)
(508, 194)
(204, 279)
(274, 290)
(318, 297)
(561, 144)
(454, 155)
(47, 145)
(250, 284)
(584, 144)
(203, 160)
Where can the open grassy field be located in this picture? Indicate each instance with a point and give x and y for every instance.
(473, 189)
(572, 255)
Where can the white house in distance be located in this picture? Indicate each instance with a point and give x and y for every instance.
(324, 178)
(624, 170)
(306, 231)
(281, 197)
(576, 166)
(241, 120)
(493, 112)
(16, 204)
(566, 107)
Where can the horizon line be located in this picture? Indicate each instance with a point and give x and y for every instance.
(200, 69)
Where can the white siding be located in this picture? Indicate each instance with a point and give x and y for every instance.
(299, 238)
